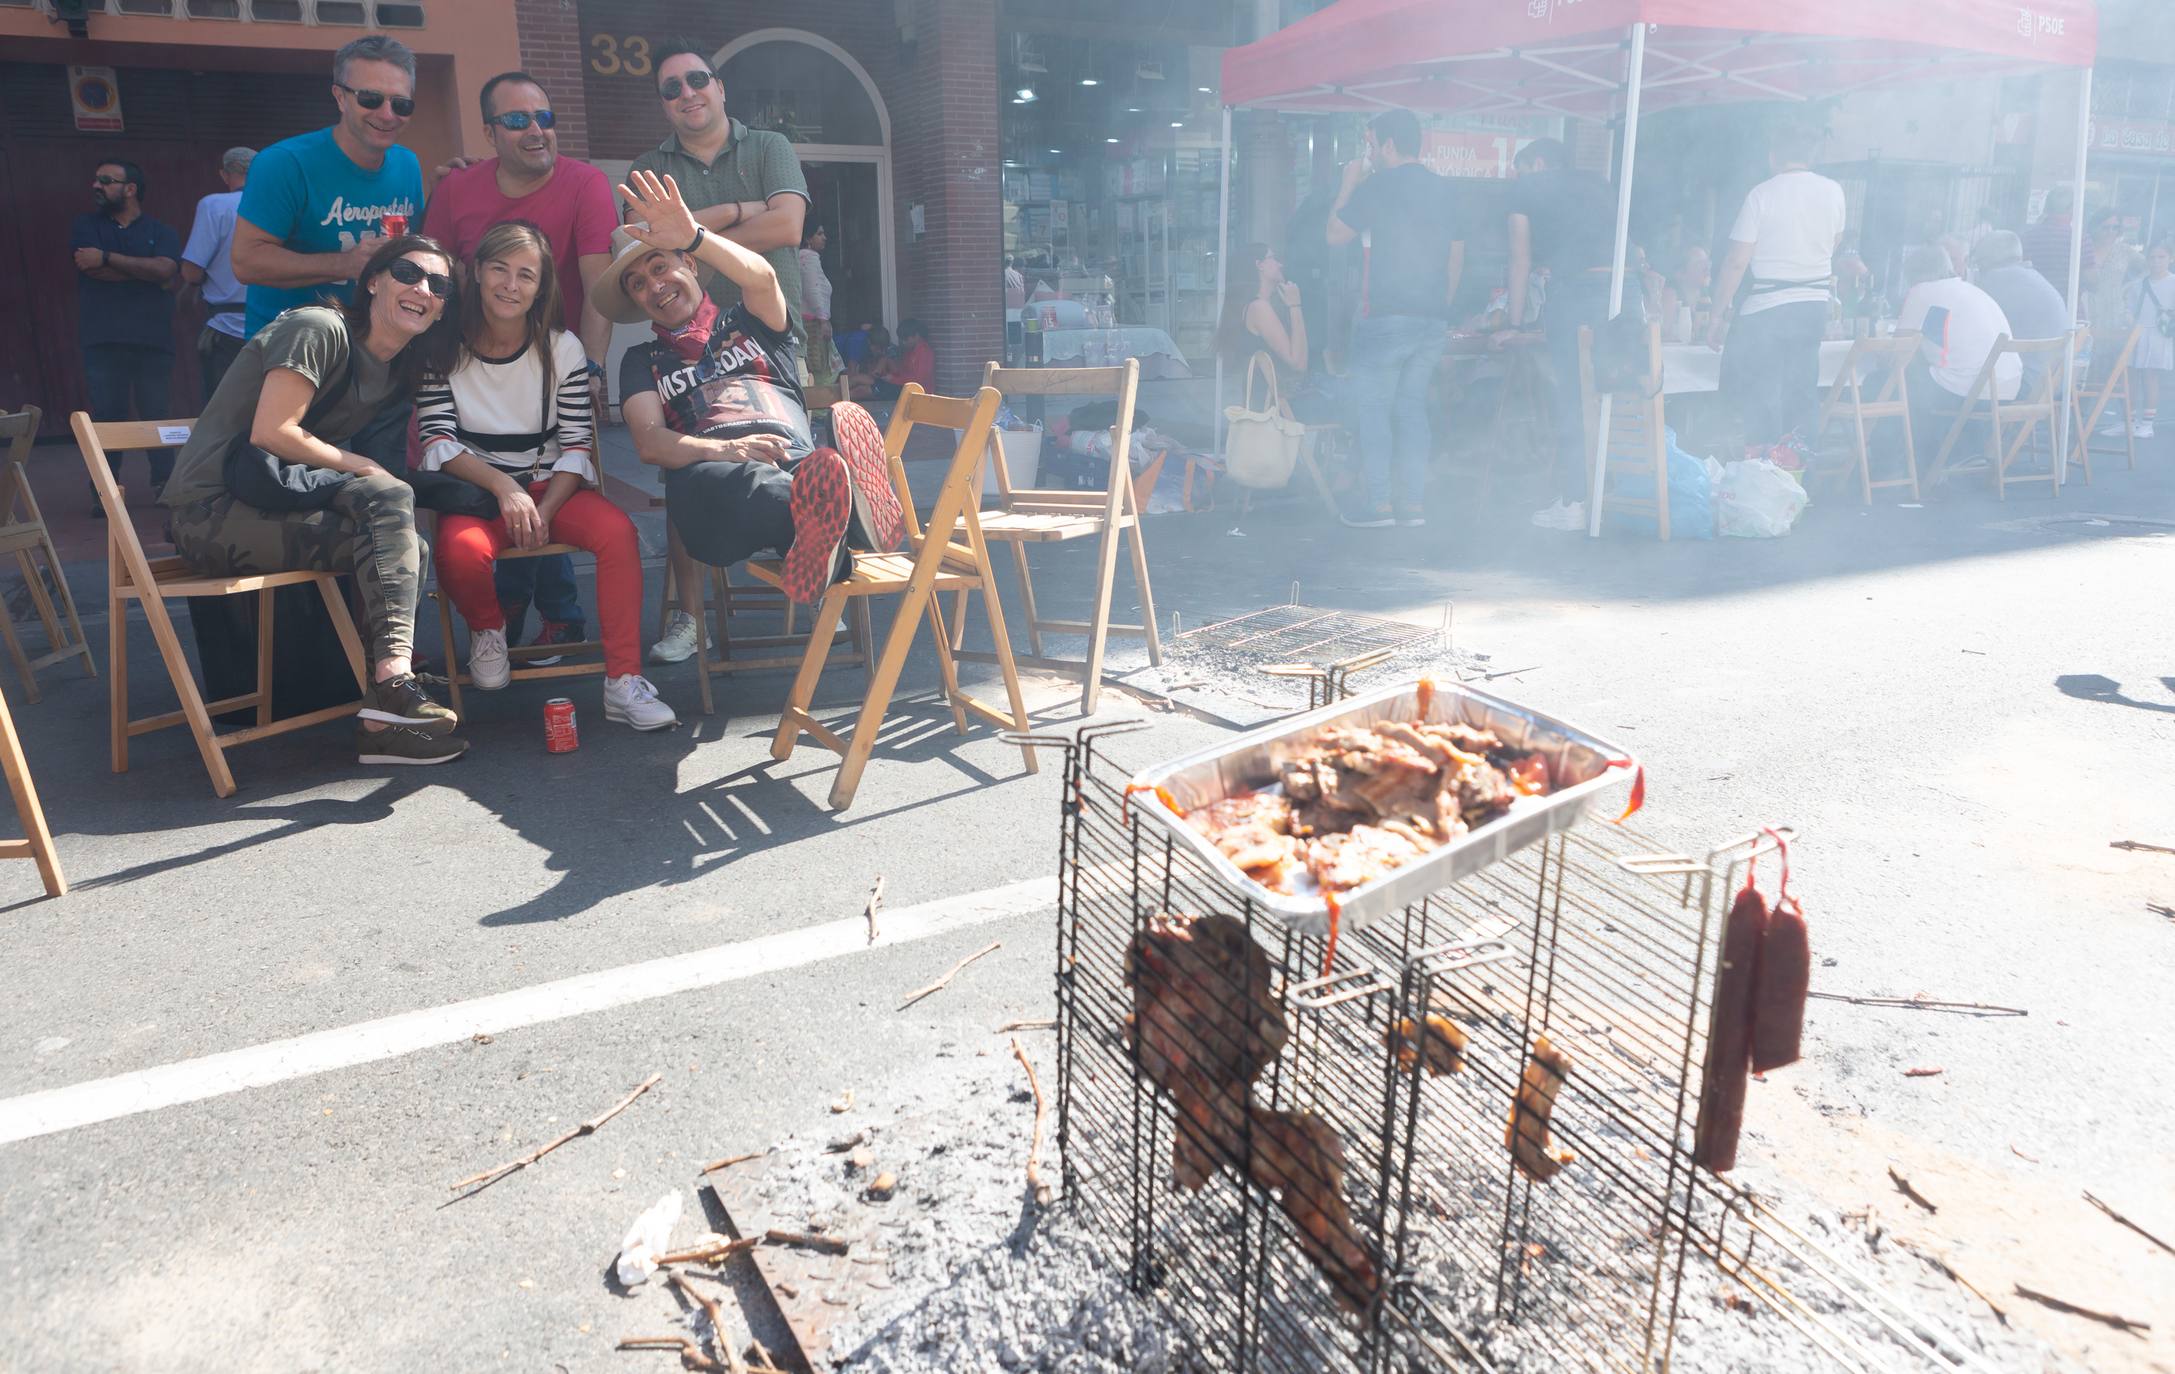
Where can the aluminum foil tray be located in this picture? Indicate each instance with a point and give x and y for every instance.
(1587, 770)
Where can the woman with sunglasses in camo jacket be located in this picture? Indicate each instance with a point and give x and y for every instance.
(284, 471)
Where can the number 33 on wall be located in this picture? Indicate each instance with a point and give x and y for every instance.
(617, 56)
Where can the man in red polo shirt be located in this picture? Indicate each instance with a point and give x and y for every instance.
(571, 202)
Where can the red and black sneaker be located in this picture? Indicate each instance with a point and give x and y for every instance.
(861, 443)
(822, 504)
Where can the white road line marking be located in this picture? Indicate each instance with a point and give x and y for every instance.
(213, 1075)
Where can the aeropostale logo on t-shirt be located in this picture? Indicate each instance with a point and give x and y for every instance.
(342, 213)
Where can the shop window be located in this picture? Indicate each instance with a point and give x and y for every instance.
(215, 9)
(276, 11)
(159, 7)
(802, 92)
(392, 16)
(342, 12)
(16, 4)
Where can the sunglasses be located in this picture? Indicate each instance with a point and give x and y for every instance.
(111, 181)
(521, 119)
(408, 272)
(696, 81)
(403, 106)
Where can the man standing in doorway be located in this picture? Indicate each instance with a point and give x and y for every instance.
(1561, 221)
(1415, 254)
(571, 203)
(124, 262)
(207, 271)
(1786, 235)
(316, 203)
(743, 184)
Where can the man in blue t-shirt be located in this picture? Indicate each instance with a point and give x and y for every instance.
(315, 203)
(124, 261)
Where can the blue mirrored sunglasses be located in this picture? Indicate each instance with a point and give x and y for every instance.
(519, 119)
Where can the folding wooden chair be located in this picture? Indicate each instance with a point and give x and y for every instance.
(1047, 515)
(935, 561)
(37, 842)
(759, 653)
(458, 677)
(2082, 424)
(130, 576)
(1638, 443)
(2033, 406)
(1870, 356)
(23, 533)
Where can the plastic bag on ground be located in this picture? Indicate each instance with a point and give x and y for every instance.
(1758, 500)
(649, 1237)
(1691, 500)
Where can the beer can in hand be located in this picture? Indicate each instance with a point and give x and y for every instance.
(560, 735)
(394, 225)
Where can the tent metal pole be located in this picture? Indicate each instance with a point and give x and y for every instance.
(1223, 260)
(2076, 264)
(1616, 271)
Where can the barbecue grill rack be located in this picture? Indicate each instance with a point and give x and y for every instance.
(1596, 938)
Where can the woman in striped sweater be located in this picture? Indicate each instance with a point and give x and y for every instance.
(514, 418)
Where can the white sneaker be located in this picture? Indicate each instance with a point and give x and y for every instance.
(633, 700)
(2111, 427)
(1562, 516)
(678, 644)
(488, 667)
(2141, 430)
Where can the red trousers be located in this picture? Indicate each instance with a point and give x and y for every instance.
(467, 547)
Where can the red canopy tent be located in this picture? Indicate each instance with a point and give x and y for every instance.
(1594, 59)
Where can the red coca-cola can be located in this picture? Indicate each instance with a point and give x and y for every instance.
(394, 225)
(560, 735)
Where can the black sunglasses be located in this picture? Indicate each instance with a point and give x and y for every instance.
(370, 100)
(696, 81)
(520, 119)
(111, 181)
(408, 272)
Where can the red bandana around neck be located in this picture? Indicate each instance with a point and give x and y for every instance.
(689, 340)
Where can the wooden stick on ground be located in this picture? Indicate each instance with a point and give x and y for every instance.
(715, 1252)
(730, 1160)
(719, 1341)
(490, 1176)
(1046, 1023)
(875, 901)
(1035, 1180)
(830, 1245)
(691, 1356)
(938, 985)
(1903, 1186)
(2119, 1323)
(2123, 1220)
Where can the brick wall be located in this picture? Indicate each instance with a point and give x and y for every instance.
(551, 51)
(940, 91)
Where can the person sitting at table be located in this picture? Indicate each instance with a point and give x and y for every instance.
(1785, 235)
(1684, 294)
(1957, 324)
(914, 360)
(2029, 301)
(1272, 319)
(513, 417)
(715, 401)
(271, 479)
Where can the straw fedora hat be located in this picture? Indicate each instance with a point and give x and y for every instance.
(610, 298)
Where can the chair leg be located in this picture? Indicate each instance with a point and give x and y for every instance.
(1009, 668)
(453, 662)
(702, 644)
(1027, 599)
(68, 606)
(864, 632)
(1865, 458)
(1910, 455)
(823, 626)
(947, 665)
(192, 700)
(34, 584)
(265, 622)
(1106, 576)
(959, 618)
(343, 625)
(882, 682)
(37, 836)
(117, 688)
(1139, 547)
(15, 651)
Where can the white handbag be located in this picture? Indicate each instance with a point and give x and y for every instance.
(1261, 447)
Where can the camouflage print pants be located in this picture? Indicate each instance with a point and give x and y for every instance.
(368, 530)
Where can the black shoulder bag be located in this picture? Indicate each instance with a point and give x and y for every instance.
(262, 479)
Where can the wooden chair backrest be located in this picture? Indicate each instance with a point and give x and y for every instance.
(2042, 391)
(2122, 359)
(1121, 383)
(1635, 419)
(124, 551)
(1893, 353)
(19, 431)
(972, 418)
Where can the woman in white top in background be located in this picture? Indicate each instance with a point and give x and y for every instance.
(816, 306)
(514, 418)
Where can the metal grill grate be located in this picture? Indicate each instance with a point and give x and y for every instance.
(1293, 633)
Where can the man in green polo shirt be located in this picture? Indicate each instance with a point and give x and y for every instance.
(744, 184)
